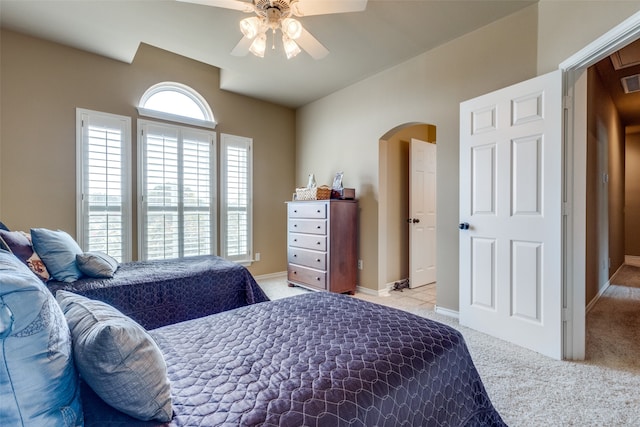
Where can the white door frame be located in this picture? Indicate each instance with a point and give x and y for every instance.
(574, 188)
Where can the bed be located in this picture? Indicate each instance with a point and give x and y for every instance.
(318, 359)
(162, 292)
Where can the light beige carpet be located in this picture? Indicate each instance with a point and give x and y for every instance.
(529, 389)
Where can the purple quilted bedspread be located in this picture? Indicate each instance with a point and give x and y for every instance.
(164, 292)
(317, 359)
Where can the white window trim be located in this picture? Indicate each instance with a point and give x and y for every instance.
(209, 121)
(227, 140)
(142, 223)
(161, 115)
(126, 179)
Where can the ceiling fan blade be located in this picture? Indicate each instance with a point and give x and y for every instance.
(242, 48)
(226, 4)
(311, 45)
(325, 7)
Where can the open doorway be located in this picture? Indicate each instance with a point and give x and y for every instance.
(394, 200)
(613, 208)
(590, 259)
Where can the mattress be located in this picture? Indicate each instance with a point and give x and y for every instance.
(317, 359)
(162, 292)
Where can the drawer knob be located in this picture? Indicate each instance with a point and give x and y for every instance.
(318, 227)
(295, 211)
(295, 240)
(318, 279)
(317, 243)
(318, 211)
(318, 260)
(295, 225)
(295, 255)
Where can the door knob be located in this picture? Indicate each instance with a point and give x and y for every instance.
(463, 226)
(415, 220)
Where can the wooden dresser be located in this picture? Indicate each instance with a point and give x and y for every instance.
(323, 245)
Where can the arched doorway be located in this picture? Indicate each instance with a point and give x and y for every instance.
(393, 204)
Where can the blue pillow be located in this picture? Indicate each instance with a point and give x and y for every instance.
(58, 251)
(3, 227)
(39, 385)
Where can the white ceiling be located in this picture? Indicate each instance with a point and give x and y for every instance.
(361, 44)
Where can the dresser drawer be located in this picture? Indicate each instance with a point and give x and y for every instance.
(308, 241)
(313, 259)
(311, 226)
(307, 276)
(307, 210)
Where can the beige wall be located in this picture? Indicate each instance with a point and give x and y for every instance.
(336, 130)
(567, 26)
(42, 83)
(632, 194)
(342, 130)
(605, 197)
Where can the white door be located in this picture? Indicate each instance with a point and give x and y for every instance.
(511, 214)
(422, 212)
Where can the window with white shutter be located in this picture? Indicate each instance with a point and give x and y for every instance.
(177, 189)
(103, 183)
(236, 207)
(177, 205)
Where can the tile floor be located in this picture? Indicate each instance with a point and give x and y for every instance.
(423, 297)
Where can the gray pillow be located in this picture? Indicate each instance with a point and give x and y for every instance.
(96, 264)
(117, 358)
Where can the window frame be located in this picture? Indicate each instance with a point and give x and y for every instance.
(82, 208)
(209, 121)
(142, 125)
(227, 140)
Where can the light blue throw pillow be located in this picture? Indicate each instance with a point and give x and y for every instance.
(58, 251)
(117, 358)
(39, 385)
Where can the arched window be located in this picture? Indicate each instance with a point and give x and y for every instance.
(178, 103)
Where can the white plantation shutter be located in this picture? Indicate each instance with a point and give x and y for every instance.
(104, 207)
(236, 187)
(177, 213)
(198, 194)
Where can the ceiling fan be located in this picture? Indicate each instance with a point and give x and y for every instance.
(278, 14)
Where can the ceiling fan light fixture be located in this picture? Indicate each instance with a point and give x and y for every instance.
(250, 27)
(259, 45)
(292, 28)
(291, 48)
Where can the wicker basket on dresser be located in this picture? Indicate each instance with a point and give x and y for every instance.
(323, 245)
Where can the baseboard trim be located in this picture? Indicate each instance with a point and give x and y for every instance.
(632, 260)
(277, 275)
(447, 312)
(595, 299)
(602, 290)
(376, 293)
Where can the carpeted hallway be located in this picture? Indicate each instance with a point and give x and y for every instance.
(613, 324)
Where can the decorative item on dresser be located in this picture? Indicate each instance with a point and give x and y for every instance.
(323, 245)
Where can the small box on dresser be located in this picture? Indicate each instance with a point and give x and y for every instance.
(323, 244)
